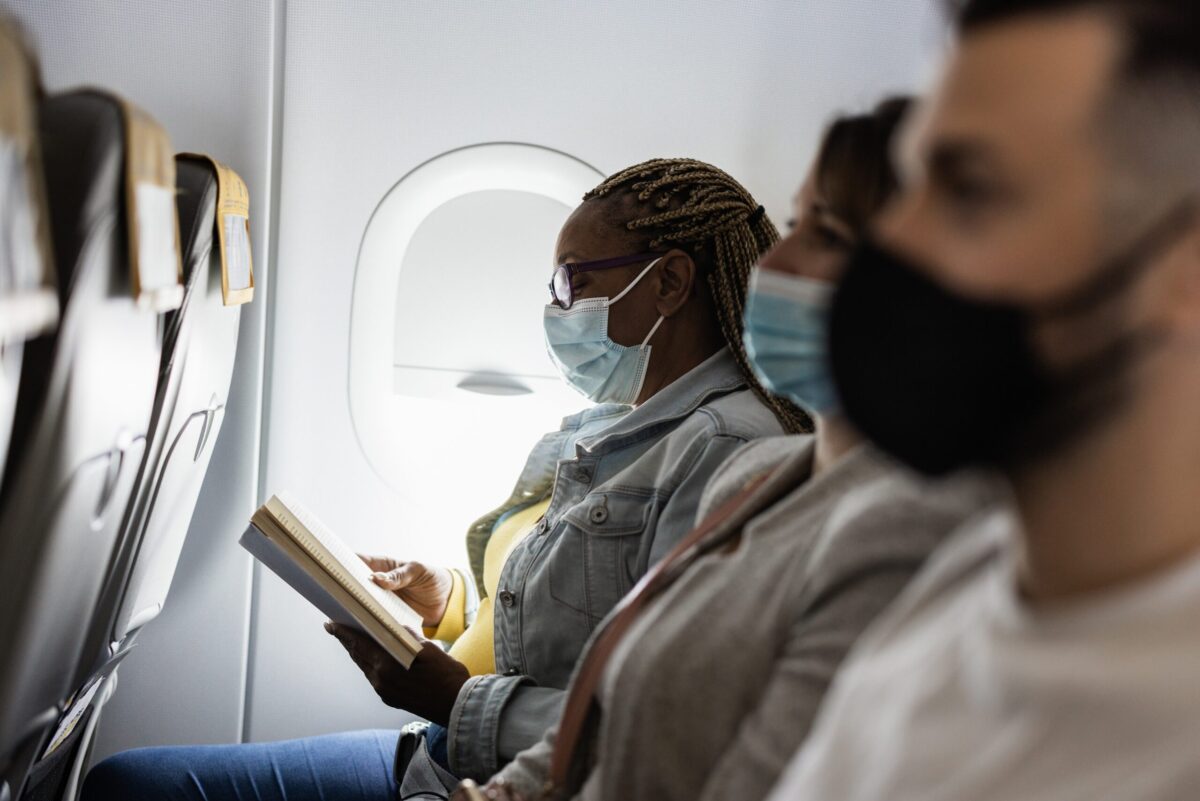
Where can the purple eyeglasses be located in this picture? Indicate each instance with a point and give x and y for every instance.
(561, 290)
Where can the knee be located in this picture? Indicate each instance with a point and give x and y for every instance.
(127, 776)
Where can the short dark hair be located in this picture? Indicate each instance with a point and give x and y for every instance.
(1161, 36)
(1151, 119)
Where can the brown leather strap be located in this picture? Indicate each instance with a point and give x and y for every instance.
(582, 693)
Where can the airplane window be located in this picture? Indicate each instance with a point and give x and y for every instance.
(446, 349)
(489, 253)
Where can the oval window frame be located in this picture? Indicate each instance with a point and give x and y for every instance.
(476, 168)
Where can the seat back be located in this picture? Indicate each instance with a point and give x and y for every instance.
(199, 342)
(84, 403)
(28, 302)
(199, 347)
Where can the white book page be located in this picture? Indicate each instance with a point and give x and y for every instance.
(349, 563)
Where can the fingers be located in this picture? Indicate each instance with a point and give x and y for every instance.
(345, 635)
(505, 794)
(467, 790)
(362, 647)
(388, 678)
(340, 631)
(350, 643)
(357, 644)
(379, 563)
(364, 652)
(399, 576)
(493, 791)
(500, 791)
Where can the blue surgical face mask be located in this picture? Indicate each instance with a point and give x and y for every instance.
(786, 338)
(579, 345)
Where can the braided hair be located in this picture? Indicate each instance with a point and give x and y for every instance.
(687, 204)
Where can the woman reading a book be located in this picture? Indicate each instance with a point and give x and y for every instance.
(707, 680)
(645, 320)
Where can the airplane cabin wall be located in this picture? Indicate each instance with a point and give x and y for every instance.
(205, 71)
(323, 107)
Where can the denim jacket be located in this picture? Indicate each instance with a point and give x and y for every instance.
(624, 494)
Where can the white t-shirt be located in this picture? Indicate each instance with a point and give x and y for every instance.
(963, 692)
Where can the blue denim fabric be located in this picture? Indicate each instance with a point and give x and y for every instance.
(537, 477)
(345, 767)
(437, 742)
(621, 496)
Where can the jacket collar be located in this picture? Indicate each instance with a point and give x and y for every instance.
(716, 376)
(576, 421)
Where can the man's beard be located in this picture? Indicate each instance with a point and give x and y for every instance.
(1085, 398)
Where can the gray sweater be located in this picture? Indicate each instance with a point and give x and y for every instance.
(716, 686)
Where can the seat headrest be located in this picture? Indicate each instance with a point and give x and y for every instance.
(196, 201)
(28, 301)
(151, 215)
(98, 138)
(232, 225)
(83, 140)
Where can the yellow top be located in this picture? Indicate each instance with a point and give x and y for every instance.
(475, 646)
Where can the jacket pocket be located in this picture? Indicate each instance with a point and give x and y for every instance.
(595, 558)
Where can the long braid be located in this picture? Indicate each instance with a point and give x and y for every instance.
(701, 209)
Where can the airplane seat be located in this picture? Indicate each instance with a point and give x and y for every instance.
(199, 344)
(199, 347)
(28, 301)
(83, 405)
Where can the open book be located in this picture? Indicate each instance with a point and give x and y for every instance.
(288, 539)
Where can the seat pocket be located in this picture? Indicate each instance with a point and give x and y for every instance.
(595, 557)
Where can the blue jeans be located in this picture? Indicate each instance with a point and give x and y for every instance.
(346, 767)
(437, 743)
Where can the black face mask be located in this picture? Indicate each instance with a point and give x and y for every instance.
(941, 382)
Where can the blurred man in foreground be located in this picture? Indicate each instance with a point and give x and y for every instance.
(1038, 285)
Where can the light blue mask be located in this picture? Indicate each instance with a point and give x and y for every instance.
(579, 345)
(786, 338)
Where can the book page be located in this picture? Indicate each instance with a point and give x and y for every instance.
(341, 562)
(278, 551)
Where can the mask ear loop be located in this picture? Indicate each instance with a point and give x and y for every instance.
(646, 341)
(635, 281)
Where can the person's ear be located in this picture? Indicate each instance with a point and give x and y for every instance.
(677, 274)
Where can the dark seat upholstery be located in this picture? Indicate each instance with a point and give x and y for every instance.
(82, 417)
(199, 343)
(28, 306)
(199, 346)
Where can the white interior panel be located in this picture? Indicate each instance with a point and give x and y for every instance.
(203, 70)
